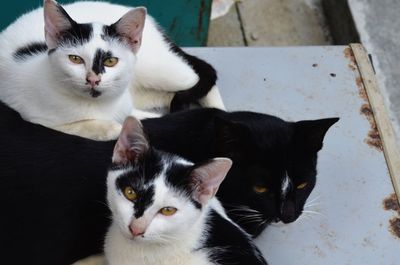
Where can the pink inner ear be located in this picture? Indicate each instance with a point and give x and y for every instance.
(55, 23)
(131, 142)
(207, 178)
(131, 26)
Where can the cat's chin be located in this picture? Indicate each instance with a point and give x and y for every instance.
(94, 93)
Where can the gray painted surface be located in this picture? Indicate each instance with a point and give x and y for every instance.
(378, 24)
(349, 226)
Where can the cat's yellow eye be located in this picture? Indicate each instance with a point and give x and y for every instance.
(302, 186)
(130, 194)
(110, 61)
(260, 189)
(75, 59)
(168, 211)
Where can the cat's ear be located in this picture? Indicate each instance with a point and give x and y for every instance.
(56, 21)
(132, 142)
(130, 27)
(229, 136)
(311, 133)
(207, 177)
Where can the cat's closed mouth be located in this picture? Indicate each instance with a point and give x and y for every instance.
(94, 93)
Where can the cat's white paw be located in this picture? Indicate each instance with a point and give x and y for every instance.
(213, 99)
(93, 260)
(140, 114)
(99, 130)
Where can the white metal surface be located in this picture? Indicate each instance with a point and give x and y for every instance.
(350, 226)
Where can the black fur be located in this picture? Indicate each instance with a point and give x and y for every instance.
(233, 245)
(77, 34)
(207, 79)
(29, 50)
(98, 62)
(52, 189)
(57, 181)
(263, 148)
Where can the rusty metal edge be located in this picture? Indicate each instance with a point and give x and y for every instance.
(376, 100)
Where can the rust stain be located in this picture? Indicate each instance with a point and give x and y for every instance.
(391, 203)
(373, 138)
(361, 90)
(395, 226)
(348, 53)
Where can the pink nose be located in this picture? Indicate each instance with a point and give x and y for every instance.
(93, 80)
(136, 231)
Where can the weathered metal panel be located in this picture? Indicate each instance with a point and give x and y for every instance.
(350, 225)
(185, 21)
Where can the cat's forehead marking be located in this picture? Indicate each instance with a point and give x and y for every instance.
(98, 61)
(286, 182)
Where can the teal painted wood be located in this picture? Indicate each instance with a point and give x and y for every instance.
(185, 21)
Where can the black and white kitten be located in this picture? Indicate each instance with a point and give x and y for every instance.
(165, 211)
(83, 67)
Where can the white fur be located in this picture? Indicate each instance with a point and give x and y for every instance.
(39, 90)
(168, 240)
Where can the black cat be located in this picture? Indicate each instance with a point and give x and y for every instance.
(274, 161)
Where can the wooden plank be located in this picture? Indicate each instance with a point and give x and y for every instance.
(282, 23)
(225, 30)
(384, 125)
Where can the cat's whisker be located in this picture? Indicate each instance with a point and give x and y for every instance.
(311, 205)
(315, 213)
(314, 199)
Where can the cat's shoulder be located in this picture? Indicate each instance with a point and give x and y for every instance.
(229, 244)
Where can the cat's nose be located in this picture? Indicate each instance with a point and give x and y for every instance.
(136, 230)
(93, 80)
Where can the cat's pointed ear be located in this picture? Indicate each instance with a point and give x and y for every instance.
(207, 177)
(130, 27)
(311, 133)
(228, 137)
(132, 142)
(56, 21)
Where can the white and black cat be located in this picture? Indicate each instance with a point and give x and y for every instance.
(55, 71)
(165, 211)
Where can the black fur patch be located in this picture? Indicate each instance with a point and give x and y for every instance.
(77, 34)
(30, 50)
(207, 79)
(98, 62)
(231, 244)
(110, 32)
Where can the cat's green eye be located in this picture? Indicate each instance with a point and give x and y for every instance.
(302, 186)
(75, 59)
(130, 194)
(260, 189)
(168, 211)
(110, 61)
